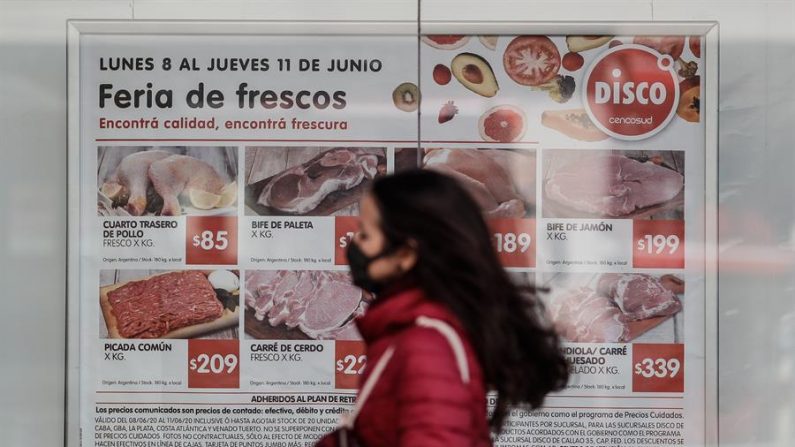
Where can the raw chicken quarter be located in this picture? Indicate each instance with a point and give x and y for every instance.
(143, 178)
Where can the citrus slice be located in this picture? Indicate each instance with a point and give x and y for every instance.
(203, 200)
(111, 190)
(228, 195)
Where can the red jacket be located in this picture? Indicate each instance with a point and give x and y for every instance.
(420, 399)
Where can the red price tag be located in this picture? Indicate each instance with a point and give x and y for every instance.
(349, 361)
(658, 368)
(658, 244)
(344, 229)
(213, 364)
(515, 241)
(212, 240)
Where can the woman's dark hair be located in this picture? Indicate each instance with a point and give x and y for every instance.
(457, 265)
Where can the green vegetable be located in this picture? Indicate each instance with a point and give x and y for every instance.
(228, 300)
(560, 88)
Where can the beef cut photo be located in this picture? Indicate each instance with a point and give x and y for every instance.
(613, 184)
(501, 181)
(309, 180)
(615, 307)
(307, 304)
(167, 181)
(177, 304)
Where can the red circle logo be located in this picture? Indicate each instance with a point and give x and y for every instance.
(631, 92)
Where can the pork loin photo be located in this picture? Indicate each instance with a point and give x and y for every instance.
(639, 296)
(613, 184)
(307, 304)
(167, 181)
(309, 180)
(502, 181)
(585, 316)
(179, 304)
(615, 307)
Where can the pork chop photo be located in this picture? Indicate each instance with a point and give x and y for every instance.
(308, 304)
(501, 182)
(167, 181)
(310, 181)
(602, 184)
(615, 307)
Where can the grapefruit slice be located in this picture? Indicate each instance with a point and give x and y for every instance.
(446, 41)
(502, 124)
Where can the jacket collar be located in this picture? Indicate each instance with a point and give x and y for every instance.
(393, 312)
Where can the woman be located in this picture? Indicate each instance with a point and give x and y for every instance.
(424, 250)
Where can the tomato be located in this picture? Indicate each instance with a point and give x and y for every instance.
(673, 45)
(441, 74)
(531, 60)
(573, 61)
(695, 45)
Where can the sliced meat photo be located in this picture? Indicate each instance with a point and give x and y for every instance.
(153, 307)
(639, 296)
(320, 304)
(331, 180)
(502, 182)
(608, 185)
(583, 315)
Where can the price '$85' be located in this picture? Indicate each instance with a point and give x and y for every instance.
(209, 240)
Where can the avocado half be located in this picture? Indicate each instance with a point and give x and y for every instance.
(475, 74)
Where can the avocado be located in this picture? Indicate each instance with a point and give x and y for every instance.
(475, 74)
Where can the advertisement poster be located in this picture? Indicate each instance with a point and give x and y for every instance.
(219, 184)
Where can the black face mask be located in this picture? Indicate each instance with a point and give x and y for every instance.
(359, 264)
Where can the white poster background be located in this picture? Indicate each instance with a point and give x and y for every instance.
(369, 120)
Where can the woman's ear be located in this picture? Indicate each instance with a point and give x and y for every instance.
(407, 255)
